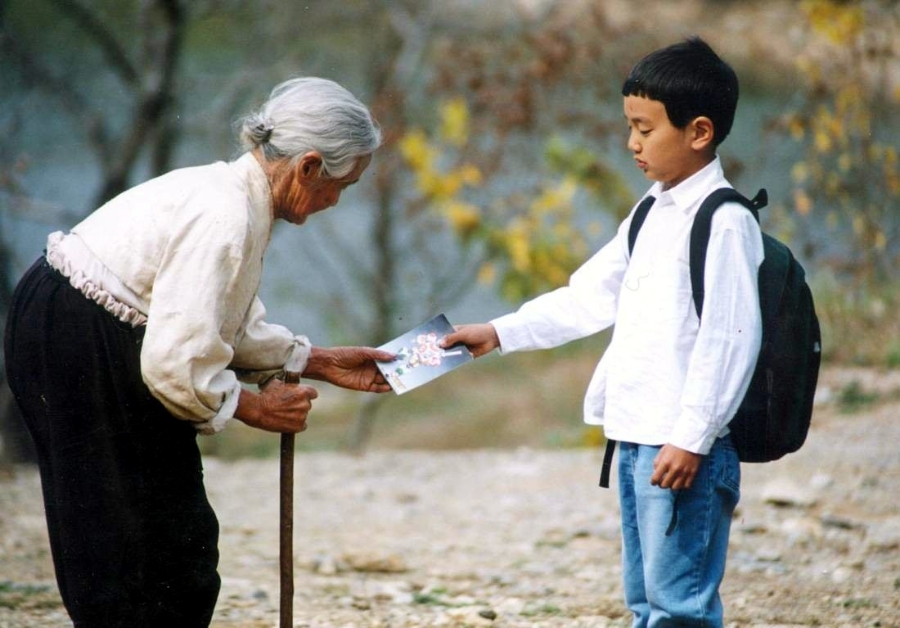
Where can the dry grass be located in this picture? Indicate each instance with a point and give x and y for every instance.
(860, 327)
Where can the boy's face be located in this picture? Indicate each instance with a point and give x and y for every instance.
(665, 153)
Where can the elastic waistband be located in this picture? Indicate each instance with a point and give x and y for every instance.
(68, 259)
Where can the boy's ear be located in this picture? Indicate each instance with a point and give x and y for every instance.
(703, 132)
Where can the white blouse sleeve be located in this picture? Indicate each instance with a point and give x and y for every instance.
(266, 349)
(201, 294)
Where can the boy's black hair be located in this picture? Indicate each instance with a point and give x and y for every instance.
(691, 80)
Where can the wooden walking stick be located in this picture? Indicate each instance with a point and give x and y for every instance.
(286, 518)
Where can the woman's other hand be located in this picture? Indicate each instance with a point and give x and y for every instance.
(278, 407)
(349, 367)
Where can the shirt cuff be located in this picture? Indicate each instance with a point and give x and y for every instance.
(512, 336)
(225, 413)
(299, 356)
(694, 431)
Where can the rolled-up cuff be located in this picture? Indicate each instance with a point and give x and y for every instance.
(225, 413)
(296, 362)
(299, 356)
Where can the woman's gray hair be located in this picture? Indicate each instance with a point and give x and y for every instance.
(312, 114)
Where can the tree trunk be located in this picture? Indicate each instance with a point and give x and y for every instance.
(361, 432)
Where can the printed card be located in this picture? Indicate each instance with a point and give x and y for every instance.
(419, 357)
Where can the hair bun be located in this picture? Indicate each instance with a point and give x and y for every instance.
(262, 132)
(256, 131)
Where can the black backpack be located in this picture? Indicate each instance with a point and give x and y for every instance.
(774, 417)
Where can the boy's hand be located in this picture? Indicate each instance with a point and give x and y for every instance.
(675, 468)
(479, 339)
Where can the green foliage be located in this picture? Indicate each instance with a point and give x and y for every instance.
(859, 602)
(893, 354)
(542, 609)
(589, 170)
(429, 599)
(27, 596)
(853, 397)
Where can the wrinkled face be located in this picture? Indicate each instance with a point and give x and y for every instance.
(664, 153)
(304, 192)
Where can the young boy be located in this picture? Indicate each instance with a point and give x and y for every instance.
(667, 385)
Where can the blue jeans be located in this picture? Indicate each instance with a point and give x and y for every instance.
(675, 542)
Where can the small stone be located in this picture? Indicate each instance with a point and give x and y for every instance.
(883, 535)
(361, 604)
(327, 565)
(487, 613)
(842, 574)
(783, 492)
(801, 529)
(396, 592)
(511, 606)
(374, 563)
(768, 555)
(468, 617)
(830, 521)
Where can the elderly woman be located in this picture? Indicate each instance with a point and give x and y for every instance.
(130, 335)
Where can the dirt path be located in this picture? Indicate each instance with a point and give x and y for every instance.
(519, 538)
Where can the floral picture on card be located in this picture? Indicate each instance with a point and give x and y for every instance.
(420, 358)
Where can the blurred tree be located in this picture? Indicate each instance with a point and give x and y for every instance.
(847, 125)
(534, 97)
(452, 203)
(458, 192)
(139, 44)
(528, 241)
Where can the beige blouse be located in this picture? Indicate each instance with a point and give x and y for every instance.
(182, 254)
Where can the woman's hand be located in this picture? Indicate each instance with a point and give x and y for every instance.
(349, 367)
(479, 339)
(278, 407)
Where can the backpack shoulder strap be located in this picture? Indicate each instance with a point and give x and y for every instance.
(640, 214)
(701, 229)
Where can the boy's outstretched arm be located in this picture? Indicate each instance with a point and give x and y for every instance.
(479, 338)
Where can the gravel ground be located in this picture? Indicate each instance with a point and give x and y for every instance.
(520, 538)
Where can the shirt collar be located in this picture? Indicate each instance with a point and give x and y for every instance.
(258, 190)
(687, 195)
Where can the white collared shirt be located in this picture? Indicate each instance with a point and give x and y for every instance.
(664, 377)
(183, 254)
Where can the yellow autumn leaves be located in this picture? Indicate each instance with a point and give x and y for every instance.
(443, 188)
(838, 21)
(850, 166)
(527, 238)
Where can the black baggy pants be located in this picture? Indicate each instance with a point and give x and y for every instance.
(132, 533)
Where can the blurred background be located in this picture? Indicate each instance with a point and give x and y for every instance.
(504, 166)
